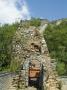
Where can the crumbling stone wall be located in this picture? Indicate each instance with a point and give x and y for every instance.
(28, 44)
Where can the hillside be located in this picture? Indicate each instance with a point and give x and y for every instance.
(56, 38)
(24, 42)
(55, 35)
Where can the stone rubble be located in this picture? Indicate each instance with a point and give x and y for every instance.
(29, 43)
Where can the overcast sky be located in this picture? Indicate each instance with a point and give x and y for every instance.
(12, 10)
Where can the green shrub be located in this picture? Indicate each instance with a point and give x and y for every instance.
(61, 68)
(35, 22)
(6, 34)
(56, 38)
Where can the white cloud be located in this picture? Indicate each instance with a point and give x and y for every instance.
(10, 12)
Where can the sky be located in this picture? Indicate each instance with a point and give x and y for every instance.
(14, 10)
(50, 9)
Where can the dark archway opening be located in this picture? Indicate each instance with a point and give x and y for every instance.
(37, 81)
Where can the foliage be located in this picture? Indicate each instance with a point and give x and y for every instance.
(35, 22)
(56, 38)
(14, 65)
(6, 35)
(61, 68)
